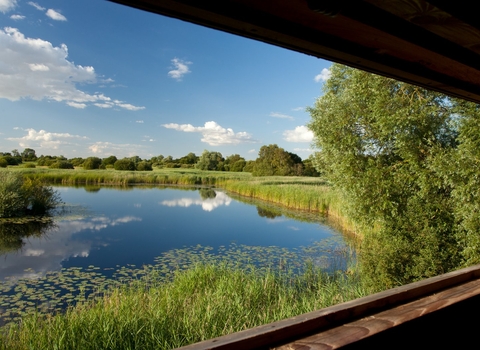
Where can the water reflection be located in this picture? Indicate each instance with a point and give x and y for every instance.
(49, 244)
(208, 202)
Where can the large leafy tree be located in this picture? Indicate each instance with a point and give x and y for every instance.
(274, 160)
(380, 142)
(210, 161)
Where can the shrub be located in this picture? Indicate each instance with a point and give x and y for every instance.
(61, 164)
(29, 165)
(3, 163)
(124, 164)
(92, 163)
(144, 166)
(19, 197)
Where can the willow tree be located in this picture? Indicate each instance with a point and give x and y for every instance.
(380, 142)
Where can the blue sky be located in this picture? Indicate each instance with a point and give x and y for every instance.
(94, 78)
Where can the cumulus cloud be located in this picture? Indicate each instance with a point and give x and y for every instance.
(299, 134)
(281, 116)
(180, 69)
(7, 5)
(109, 148)
(214, 134)
(323, 76)
(37, 6)
(57, 16)
(45, 139)
(34, 68)
(17, 17)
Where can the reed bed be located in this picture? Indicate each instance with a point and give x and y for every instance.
(205, 301)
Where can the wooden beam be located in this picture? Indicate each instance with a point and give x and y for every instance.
(294, 328)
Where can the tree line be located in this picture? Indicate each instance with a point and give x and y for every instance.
(272, 160)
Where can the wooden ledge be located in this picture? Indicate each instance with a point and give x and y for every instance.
(305, 325)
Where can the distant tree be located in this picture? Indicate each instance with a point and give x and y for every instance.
(144, 166)
(234, 163)
(309, 168)
(61, 164)
(78, 161)
(124, 164)
(45, 160)
(273, 160)
(11, 160)
(190, 158)
(136, 159)
(248, 168)
(29, 155)
(15, 153)
(92, 163)
(210, 161)
(109, 160)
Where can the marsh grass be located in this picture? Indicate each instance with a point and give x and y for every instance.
(200, 302)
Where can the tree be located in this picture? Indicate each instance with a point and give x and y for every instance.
(380, 143)
(29, 155)
(273, 160)
(92, 163)
(234, 163)
(144, 166)
(109, 160)
(124, 164)
(210, 161)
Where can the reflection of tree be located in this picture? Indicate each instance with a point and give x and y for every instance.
(13, 232)
(207, 193)
(267, 213)
(92, 188)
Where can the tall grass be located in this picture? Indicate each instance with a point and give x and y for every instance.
(205, 301)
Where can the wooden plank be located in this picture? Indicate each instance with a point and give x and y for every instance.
(374, 324)
(316, 321)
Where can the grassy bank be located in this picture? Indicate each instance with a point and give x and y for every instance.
(205, 301)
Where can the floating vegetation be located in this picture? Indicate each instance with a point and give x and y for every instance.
(58, 290)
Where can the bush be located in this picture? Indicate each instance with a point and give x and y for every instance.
(92, 163)
(19, 197)
(3, 163)
(61, 164)
(124, 164)
(29, 165)
(144, 166)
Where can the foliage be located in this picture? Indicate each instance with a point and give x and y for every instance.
(61, 164)
(144, 166)
(92, 163)
(380, 143)
(3, 163)
(234, 163)
(275, 161)
(109, 160)
(11, 160)
(28, 155)
(124, 164)
(29, 165)
(19, 197)
(210, 161)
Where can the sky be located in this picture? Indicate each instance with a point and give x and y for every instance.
(93, 78)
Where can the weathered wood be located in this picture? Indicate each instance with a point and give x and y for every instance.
(374, 324)
(305, 325)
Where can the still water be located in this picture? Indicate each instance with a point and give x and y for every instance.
(108, 228)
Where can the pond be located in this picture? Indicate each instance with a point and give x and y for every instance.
(103, 233)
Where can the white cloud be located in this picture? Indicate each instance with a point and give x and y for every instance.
(17, 17)
(37, 6)
(303, 150)
(45, 139)
(323, 76)
(281, 116)
(55, 15)
(139, 121)
(180, 69)
(214, 134)
(299, 134)
(108, 148)
(129, 106)
(298, 109)
(7, 5)
(76, 105)
(252, 151)
(34, 68)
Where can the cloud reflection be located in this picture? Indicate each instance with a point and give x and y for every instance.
(46, 253)
(208, 204)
